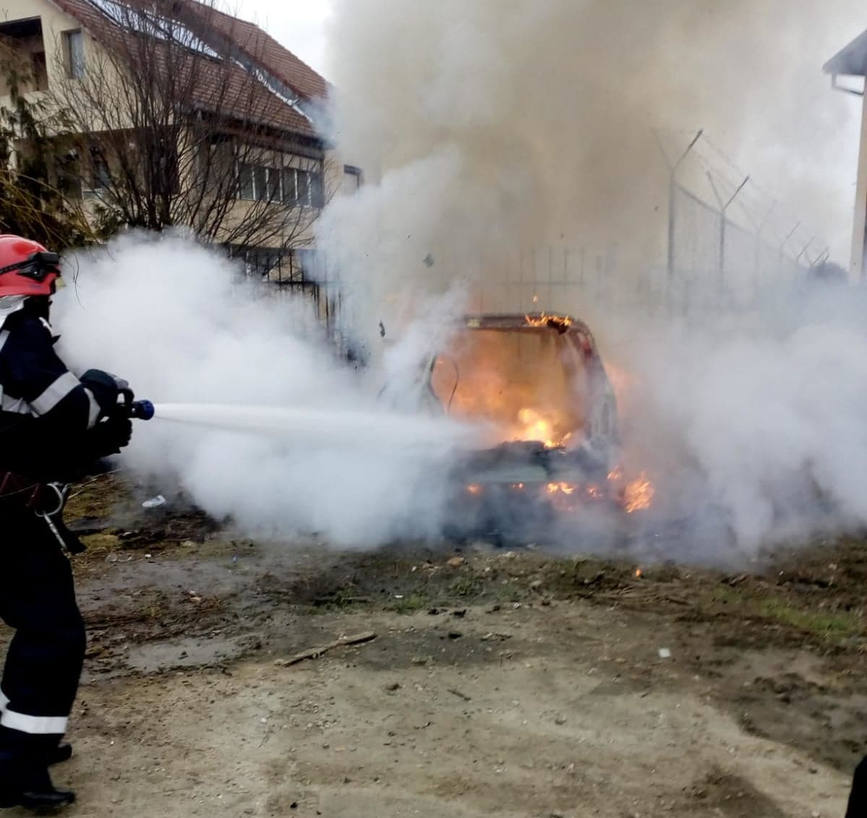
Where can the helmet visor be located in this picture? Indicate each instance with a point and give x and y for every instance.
(40, 265)
(37, 266)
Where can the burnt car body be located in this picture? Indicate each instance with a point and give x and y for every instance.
(538, 382)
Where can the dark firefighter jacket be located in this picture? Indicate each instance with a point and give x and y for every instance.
(45, 411)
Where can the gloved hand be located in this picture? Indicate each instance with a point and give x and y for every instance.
(111, 434)
(105, 388)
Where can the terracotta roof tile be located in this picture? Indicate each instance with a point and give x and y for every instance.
(220, 86)
(262, 47)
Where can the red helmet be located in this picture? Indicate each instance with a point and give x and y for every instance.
(26, 267)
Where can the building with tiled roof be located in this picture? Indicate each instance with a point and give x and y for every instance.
(292, 83)
(227, 73)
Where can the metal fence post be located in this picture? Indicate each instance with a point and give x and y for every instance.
(722, 230)
(673, 168)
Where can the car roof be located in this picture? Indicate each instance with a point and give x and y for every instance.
(528, 322)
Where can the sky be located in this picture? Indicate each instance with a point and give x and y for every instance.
(814, 115)
(300, 25)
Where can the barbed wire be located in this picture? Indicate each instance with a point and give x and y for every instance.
(765, 211)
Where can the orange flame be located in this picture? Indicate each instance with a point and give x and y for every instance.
(542, 320)
(474, 489)
(533, 425)
(561, 496)
(638, 495)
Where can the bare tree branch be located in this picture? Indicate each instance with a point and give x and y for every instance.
(35, 200)
(176, 125)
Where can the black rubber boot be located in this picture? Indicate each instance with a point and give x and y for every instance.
(46, 801)
(59, 754)
(25, 782)
(9, 789)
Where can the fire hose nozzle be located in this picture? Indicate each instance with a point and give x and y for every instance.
(141, 409)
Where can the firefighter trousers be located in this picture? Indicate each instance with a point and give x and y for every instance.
(45, 655)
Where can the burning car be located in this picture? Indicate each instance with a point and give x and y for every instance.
(539, 384)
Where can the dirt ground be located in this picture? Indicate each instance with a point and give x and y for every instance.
(498, 683)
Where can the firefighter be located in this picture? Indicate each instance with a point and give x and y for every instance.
(53, 426)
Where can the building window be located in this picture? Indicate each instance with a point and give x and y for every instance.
(40, 71)
(73, 42)
(302, 187)
(293, 187)
(246, 188)
(290, 194)
(258, 183)
(272, 185)
(100, 175)
(351, 179)
(317, 190)
(68, 170)
(24, 48)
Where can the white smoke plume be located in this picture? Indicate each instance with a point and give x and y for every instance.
(491, 127)
(175, 320)
(752, 429)
(752, 426)
(501, 126)
(486, 128)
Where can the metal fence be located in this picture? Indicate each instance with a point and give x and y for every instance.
(292, 273)
(708, 262)
(716, 263)
(719, 247)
